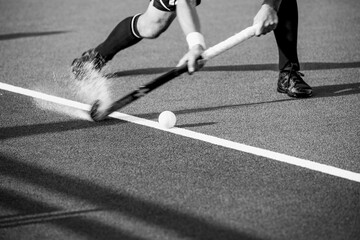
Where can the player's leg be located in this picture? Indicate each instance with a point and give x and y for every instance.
(128, 32)
(131, 30)
(154, 22)
(286, 34)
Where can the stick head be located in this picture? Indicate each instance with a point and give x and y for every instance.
(95, 113)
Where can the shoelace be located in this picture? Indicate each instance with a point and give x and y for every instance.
(297, 76)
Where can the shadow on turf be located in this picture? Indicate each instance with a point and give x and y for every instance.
(209, 109)
(336, 90)
(77, 221)
(190, 125)
(36, 129)
(28, 34)
(182, 224)
(249, 67)
(33, 211)
(27, 130)
(318, 92)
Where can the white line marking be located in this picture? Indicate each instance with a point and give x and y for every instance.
(334, 171)
(44, 96)
(344, 90)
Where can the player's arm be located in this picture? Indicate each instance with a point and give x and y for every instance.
(275, 4)
(266, 19)
(190, 24)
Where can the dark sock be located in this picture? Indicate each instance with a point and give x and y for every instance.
(286, 34)
(124, 35)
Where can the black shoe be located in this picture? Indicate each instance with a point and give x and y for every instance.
(291, 82)
(89, 61)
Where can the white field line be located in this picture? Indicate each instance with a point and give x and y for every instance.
(43, 96)
(334, 171)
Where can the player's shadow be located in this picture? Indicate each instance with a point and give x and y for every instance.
(111, 201)
(36, 129)
(28, 34)
(336, 90)
(247, 67)
(38, 212)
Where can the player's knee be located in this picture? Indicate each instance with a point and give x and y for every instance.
(153, 30)
(152, 25)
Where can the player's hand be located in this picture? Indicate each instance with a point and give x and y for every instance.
(265, 20)
(192, 59)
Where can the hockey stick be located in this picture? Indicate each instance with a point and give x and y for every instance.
(98, 115)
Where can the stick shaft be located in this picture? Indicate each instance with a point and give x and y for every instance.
(157, 82)
(229, 43)
(145, 89)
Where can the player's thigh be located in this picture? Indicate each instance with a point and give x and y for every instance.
(170, 5)
(154, 21)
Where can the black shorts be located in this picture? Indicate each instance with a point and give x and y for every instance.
(168, 5)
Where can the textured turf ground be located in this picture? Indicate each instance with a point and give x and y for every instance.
(63, 177)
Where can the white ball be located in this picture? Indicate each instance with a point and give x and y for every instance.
(167, 119)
